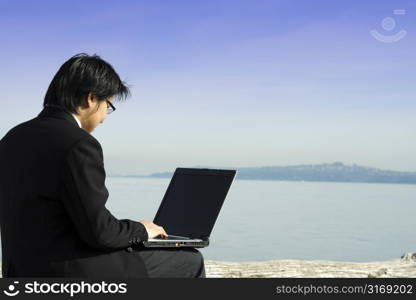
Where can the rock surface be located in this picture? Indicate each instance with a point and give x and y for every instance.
(404, 267)
(311, 269)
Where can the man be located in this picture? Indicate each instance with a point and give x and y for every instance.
(53, 218)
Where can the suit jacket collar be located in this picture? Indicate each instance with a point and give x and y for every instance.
(52, 111)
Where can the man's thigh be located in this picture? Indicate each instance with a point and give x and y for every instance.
(173, 262)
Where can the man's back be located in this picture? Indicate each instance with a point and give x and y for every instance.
(37, 196)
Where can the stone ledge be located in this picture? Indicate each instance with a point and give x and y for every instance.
(310, 269)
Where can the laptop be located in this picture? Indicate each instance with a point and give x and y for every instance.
(191, 206)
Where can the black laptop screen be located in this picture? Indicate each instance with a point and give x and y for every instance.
(193, 201)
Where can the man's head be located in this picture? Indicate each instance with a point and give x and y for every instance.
(85, 86)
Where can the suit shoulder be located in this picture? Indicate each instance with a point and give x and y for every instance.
(56, 133)
(16, 129)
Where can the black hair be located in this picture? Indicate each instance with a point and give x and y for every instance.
(80, 75)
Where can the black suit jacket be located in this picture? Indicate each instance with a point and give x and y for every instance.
(53, 218)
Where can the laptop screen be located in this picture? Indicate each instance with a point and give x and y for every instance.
(193, 201)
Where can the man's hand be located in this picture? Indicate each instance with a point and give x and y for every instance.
(154, 230)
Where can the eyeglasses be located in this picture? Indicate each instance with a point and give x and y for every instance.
(110, 107)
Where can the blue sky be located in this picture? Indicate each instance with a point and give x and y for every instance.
(227, 83)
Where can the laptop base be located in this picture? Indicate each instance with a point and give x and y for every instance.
(173, 241)
(176, 244)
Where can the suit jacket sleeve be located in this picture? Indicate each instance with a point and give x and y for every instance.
(84, 196)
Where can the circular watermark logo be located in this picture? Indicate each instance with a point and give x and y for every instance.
(389, 24)
(11, 289)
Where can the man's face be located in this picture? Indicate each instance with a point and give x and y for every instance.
(95, 114)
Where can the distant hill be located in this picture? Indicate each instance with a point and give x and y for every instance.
(333, 172)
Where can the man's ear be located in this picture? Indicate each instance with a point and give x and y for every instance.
(88, 100)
